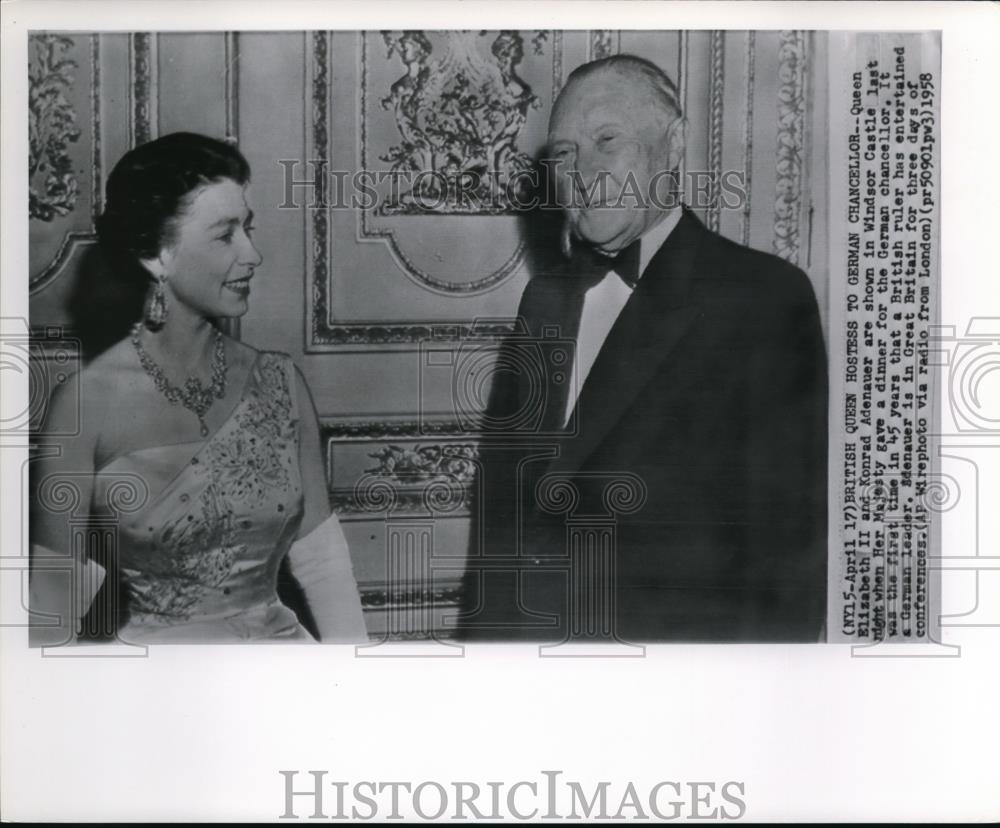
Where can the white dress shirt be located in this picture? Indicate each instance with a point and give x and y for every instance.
(603, 302)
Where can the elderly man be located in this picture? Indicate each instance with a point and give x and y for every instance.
(676, 485)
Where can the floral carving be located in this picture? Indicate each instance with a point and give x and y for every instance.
(459, 116)
(456, 463)
(604, 43)
(792, 57)
(372, 598)
(53, 189)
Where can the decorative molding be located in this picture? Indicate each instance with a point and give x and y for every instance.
(52, 186)
(430, 281)
(232, 84)
(386, 334)
(792, 59)
(355, 431)
(426, 462)
(716, 87)
(97, 177)
(557, 63)
(427, 479)
(603, 43)
(317, 235)
(682, 89)
(71, 243)
(422, 635)
(375, 598)
(751, 66)
(231, 326)
(142, 86)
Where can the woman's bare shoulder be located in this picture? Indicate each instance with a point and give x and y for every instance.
(241, 355)
(78, 401)
(112, 370)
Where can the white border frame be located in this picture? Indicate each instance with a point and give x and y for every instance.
(201, 732)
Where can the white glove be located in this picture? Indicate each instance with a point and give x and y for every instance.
(60, 591)
(321, 563)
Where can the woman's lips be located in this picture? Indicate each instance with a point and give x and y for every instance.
(241, 286)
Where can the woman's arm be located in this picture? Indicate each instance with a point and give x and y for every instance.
(320, 559)
(314, 486)
(62, 583)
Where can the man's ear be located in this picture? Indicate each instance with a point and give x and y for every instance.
(676, 140)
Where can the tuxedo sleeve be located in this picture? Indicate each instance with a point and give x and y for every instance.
(786, 467)
(489, 591)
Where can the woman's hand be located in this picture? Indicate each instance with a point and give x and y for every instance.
(315, 491)
(62, 583)
(321, 563)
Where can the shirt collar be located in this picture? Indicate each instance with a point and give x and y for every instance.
(628, 264)
(653, 239)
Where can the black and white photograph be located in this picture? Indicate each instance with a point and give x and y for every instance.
(553, 372)
(614, 355)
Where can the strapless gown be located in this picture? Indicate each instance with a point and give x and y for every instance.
(202, 527)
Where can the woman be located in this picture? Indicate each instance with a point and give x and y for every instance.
(201, 451)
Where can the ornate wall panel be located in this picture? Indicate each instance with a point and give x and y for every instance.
(423, 107)
(65, 164)
(67, 132)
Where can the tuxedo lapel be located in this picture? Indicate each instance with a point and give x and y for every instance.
(659, 314)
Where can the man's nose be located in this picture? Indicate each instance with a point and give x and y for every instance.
(586, 166)
(587, 171)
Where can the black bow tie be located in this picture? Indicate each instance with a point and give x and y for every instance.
(625, 264)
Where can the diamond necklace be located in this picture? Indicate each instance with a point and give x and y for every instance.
(193, 396)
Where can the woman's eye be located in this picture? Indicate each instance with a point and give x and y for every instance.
(248, 229)
(226, 237)
(605, 140)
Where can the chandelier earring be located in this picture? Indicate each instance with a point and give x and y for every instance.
(156, 307)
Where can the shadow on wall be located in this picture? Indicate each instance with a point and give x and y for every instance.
(540, 229)
(104, 302)
(540, 226)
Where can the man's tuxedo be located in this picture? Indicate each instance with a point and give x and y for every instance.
(708, 404)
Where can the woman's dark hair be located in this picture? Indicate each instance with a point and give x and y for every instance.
(146, 193)
(149, 187)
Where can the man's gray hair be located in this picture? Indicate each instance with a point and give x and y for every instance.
(640, 69)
